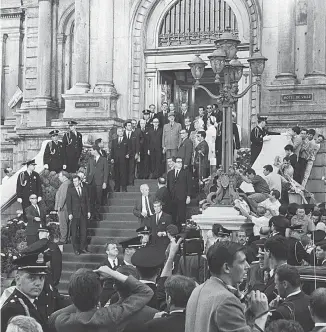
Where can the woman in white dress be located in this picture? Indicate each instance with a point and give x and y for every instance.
(210, 139)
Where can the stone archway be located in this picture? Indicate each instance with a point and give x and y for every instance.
(141, 13)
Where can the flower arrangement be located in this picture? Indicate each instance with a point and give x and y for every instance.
(243, 159)
(50, 183)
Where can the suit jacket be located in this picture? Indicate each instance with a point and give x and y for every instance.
(77, 205)
(120, 150)
(136, 323)
(201, 154)
(53, 155)
(192, 270)
(33, 225)
(295, 307)
(171, 322)
(185, 151)
(179, 188)
(164, 221)
(142, 141)
(132, 142)
(189, 130)
(138, 208)
(155, 139)
(109, 318)
(213, 307)
(317, 328)
(28, 184)
(14, 307)
(163, 195)
(61, 195)
(108, 283)
(180, 117)
(97, 171)
(163, 118)
(297, 143)
(171, 136)
(72, 145)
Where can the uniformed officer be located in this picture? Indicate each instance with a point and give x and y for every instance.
(30, 278)
(144, 233)
(148, 261)
(129, 247)
(53, 154)
(72, 142)
(28, 183)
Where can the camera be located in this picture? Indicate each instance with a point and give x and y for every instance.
(193, 242)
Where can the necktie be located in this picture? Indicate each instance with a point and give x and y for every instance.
(120, 140)
(78, 190)
(176, 174)
(157, 218)
(114, 265)
(37, 209)
(147, 206)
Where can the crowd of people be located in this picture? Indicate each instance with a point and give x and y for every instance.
(165, 279)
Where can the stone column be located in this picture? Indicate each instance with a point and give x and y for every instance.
(82, 46)
(316, 47)
(44, 54)
(61, 40)
(105, 47)
(286, 42)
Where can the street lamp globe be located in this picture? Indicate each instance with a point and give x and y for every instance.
(237, 71)
(257, 63)
(197, 66)
(228, 43)
(217, 60)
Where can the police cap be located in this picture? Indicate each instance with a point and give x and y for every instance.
(29, 162)
(72, 123)
(143, 230)
(54, 132)
(279, 221)
(131, 243)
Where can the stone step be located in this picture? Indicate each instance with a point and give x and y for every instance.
(320, 159)
(94, 249)
(317, 172)
(117, 209)
(70, 260)
(63, 286)
(119, 201)
(113, 224)
(125, 195)
(102, 240)
(118, 216)
(316, 186)
(111, 233)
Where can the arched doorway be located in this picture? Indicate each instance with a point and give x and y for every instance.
(160, 56)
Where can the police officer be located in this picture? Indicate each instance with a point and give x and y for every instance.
(28, 183)
(72, 142)
(30, 279)
(148, 261)
(144, 233)
(129, 247)
(53, 154)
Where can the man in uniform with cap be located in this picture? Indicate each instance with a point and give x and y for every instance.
(53, 154)
(28, 182)
(129, 247)
(148, 261)
(96, 177)
(72, 142)
(220, 233)
(144, 234)
(147, 118)
(278, 225)
(30, 278)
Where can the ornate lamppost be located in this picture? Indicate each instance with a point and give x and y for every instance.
(225, 64)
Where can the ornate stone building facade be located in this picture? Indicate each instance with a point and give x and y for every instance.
(102, 61)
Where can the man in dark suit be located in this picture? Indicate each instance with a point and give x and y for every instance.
(162, 194)
(144, 208)
(178, 290)
(131, 138)
(185, 149)
(78, 212)
(28, 182)
(35, 215)
(100, 144)
(155, 149)
(296, 303)
(163, 114)
(96, 177)
(113, 262)
(53, 154)
(182, 115)
(179, 186)
(188, 125)
(147, 118)
(142, 144)
(72, 142)
(120, 151)
(158, 223)
(318, 308)
(201, 163)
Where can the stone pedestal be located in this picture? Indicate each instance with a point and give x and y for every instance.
(227, 216)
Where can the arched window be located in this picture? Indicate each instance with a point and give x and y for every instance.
(192, 22)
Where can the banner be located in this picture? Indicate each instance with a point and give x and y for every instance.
(15, 98)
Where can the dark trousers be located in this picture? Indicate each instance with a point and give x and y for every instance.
(120, 176)
(300, 169)
(131, 170)
(179, 209)
(143, 166)
(79, 233)
(156, 163)
(31, 239)
(96, 193)
(72, 164)
(255, 151)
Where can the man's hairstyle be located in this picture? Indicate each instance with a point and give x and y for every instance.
(268, 168)
(128, 121)
(277, 246)
(318, 303)
(121, 287)
(288, 147)
(164, 102)
(188, 118)
(110, 241)
(203, 107)
(157, 202)
(84, 289)
(284, 325)
(202, 133)
(65, 173)
(216, 228)
(143, 186)
(301, 207)
(287, 158)
(178, 158)
(23, 324)
(250, 171)
(322, 136)
(292, 208)
(6, 170)
(296, 129)
(275, 193)
(316, 213)
(75, 176)
(220, 253)
(151, 105)
(283, 209)
(179, 288)
(261, 119)
(312, 132)
(290, 274)
(304, 129)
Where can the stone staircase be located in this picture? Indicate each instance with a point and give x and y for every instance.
(118, 222)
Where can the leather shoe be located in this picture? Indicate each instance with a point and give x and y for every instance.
(84, 251)
(77, 252)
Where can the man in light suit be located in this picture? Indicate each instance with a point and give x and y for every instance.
(61, 206)
(171, 137)
(96, 177)
(143, 208)
(185, 149)
(158, 223)
(35, 215)
(78, 213)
